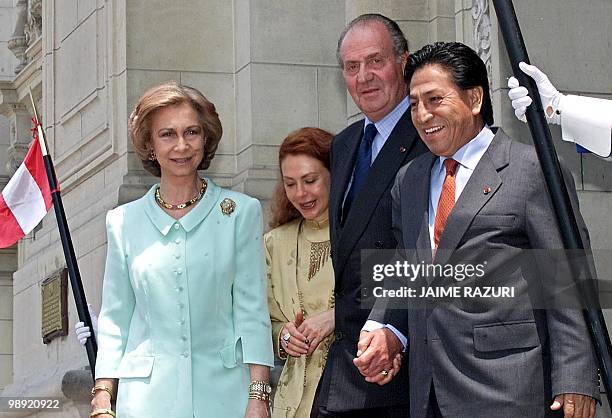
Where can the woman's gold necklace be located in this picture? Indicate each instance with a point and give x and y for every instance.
(184, 205)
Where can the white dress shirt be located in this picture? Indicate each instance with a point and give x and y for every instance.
(385, 126)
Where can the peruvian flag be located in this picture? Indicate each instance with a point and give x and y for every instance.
(26, 199)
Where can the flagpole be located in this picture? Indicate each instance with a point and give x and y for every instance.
(517, 52)
(71, 262)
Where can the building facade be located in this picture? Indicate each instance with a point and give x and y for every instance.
(270, 67)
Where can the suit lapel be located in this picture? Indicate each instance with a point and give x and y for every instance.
(473, 198)
(415, 218)
(396, 150)
(348, 145)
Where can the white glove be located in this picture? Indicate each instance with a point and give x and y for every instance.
(82, 332)
(549, 95)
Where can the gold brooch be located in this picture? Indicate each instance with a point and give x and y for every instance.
(227, 206)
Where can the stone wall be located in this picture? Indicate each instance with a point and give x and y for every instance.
(8, 259)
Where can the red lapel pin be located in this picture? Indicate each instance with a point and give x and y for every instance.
(402, 149)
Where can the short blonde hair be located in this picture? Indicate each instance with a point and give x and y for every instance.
(170, 93)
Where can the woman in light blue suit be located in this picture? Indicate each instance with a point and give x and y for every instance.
(184, 329)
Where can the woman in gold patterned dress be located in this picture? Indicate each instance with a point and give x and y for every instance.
(300, 275)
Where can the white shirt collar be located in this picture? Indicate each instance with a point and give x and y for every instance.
(386, 125)
(470, 154)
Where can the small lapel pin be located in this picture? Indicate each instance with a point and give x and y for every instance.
(402, 149)
(486, 190)
(227, 206)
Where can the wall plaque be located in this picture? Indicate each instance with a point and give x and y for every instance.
(55, 306)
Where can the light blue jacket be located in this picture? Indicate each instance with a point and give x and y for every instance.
(184, 307)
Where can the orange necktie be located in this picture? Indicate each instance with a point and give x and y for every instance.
(447, 199)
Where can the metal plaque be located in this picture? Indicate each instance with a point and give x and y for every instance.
(55, 306)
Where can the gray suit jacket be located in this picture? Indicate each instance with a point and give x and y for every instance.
(485, 360)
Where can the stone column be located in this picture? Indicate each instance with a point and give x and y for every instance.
(8, 62)
(287, 77)
(17, 42)
(8, 257)
(8, 265)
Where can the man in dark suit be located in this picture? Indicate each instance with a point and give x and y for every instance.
(480, 196)
(365, 157)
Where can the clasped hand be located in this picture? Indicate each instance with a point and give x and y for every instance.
(379, 356)
(574, 405)
(305, 335)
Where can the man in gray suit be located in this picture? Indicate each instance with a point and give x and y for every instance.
(478, 195)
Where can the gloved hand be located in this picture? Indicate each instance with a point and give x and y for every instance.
(549, 95)
(82, 331)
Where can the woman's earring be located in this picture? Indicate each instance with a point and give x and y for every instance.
(152, 156)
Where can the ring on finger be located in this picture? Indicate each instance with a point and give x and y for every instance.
(385, 373)
(286, 337)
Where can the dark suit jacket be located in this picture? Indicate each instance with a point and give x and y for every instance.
(368, 226)
(487, 360)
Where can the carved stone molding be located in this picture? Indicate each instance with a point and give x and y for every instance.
(28, 28)
(17, 42)
(482, 32)
(33, 28)
(15, 156)
(20, 135)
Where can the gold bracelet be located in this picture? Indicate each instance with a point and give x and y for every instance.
(259, 397)
(260, 390)
(101, 387)
(97, 412)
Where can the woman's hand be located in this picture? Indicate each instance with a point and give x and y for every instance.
(291, 339)
(316, 328)
(101, 400)
(257, 409)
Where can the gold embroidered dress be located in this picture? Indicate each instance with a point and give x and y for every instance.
(308, 287)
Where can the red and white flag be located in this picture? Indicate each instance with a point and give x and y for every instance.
(26, 199)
